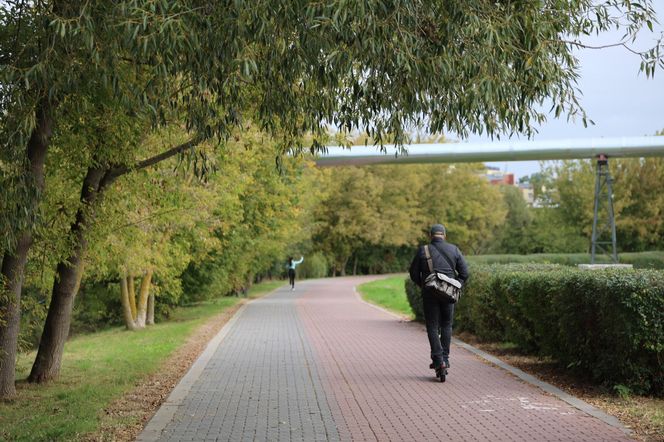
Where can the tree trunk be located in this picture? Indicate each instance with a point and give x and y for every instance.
(79, 277)
(342, 271)
(143, 295)
(13, 264)
(56, 328)
(10, 314)
(126, 307)
(132, 295)
(355, 265)
(150, 319)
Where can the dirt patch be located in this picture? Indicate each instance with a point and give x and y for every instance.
(635, 412)
(126, 417)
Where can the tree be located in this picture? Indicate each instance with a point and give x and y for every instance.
(291, 68)
(258, 214)
(379, 213)
(640, 225)
(550, 233)
(350, 215)
(110, 126)
(402, 217)
(514, 236)
(144, 234)
(637, 199)
(470, 208)
(52, 52)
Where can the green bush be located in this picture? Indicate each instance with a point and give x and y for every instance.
(608, 324)
(414, 299)
(97, 307)
(644, 260)
(314, 266)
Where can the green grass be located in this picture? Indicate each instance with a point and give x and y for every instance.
(650, 410)
(97, 369)
(264, 287)
(388, 293)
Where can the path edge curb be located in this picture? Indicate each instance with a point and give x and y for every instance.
(152, 431)
(529, 379)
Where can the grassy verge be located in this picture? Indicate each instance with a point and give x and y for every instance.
(388, 293)
(644, 415)
(264, 287)
(97, 369)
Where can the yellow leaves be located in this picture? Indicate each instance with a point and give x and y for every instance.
(391, 206)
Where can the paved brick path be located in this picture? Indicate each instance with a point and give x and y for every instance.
(319, 364)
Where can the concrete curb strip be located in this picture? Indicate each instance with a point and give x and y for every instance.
(164, 415)
(555, 391)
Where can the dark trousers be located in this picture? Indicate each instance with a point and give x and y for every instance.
(438, 316)
(291, 277)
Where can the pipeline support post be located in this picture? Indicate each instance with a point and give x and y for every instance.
(603, 195)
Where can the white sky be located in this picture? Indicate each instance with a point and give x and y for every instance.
(616, 96)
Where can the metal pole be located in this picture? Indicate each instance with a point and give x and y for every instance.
(603, 183)
(612, 220)
(593, 247)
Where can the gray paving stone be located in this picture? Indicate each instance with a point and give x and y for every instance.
(259, 384)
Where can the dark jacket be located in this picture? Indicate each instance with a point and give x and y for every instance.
(419, 269)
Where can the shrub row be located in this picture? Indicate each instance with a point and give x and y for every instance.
(640, 260)
(607, 325)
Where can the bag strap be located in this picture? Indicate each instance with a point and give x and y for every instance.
(445, 257)
(428, 256)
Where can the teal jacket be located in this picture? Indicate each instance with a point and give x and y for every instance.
(295, 263)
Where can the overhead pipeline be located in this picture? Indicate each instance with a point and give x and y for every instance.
(632, 147)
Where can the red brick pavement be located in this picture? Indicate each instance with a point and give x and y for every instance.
(374, 369)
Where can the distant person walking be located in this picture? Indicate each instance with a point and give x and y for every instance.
(291, 270)
(445, 258)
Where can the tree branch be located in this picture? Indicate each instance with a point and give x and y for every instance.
(578, 44)
(116, 172)
(168, 154)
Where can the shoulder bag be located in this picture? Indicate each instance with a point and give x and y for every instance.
(439, 284)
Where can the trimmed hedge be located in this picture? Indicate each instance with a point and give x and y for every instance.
(640, 260)
(607, 325)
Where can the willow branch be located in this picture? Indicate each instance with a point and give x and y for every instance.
(116, 172)
(578, 44)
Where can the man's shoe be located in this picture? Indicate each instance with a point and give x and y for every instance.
(445, 361)
(442, 365)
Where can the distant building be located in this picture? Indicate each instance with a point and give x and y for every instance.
(527, 192)
(497, 177)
